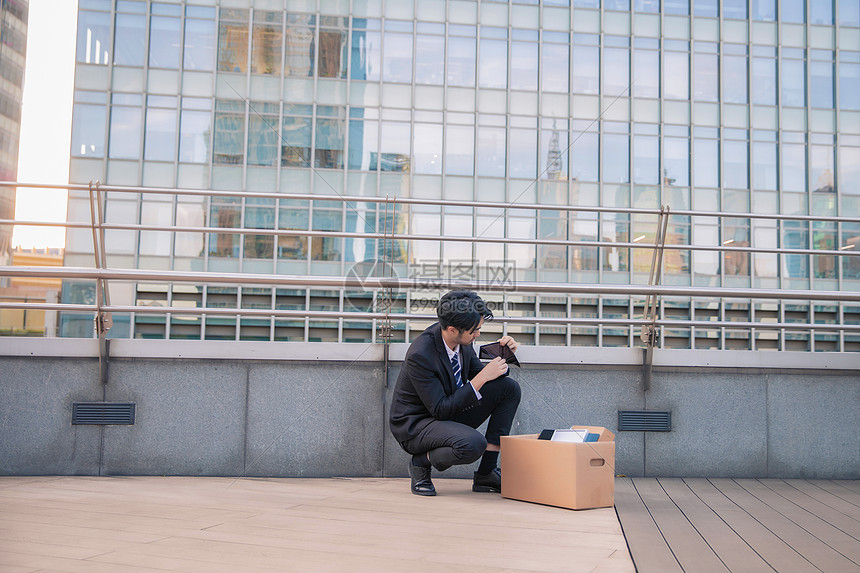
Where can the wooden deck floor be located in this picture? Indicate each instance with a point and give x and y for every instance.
(210, 525)
(749, 525)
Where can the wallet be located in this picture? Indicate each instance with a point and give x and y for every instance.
(495, 349)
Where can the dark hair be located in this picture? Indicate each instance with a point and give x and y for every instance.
(462, 309)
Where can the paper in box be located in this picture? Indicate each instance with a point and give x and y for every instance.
(564, 474)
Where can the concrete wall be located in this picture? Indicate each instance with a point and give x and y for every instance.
(315, 418)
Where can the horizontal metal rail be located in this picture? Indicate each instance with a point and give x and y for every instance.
(300, 315)
(368, 283)
(428, 202)
(443, 238)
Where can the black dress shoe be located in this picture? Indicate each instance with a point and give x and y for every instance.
(491, 482)
(421, 484)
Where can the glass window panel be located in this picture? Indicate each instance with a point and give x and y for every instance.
(554, 150)
(299, 45)
(821, 84)
(293, 217)
(676, 75)
(524, 65)
(397, 64)
(523, 153)
(849, 14)
(88, 130)
(764, 165)
(681, 7)
(461, 61)
(93, 39)
(616, 69)
(164, 42)
(706, 77)
(328, 149)
(734, 79)
(267, 44)
(199, 45)
(735, 9)
(623, 5)
(363, 145)
(586, 69)
(493, 71)
(763, 10)
(849, 86)
(125, 124)
(646, 67)
(556, 67)
(491, 151)
(160, 137)
(793, 83)
(586, 3)
(676, 161)
(460, 150)
(821, 12)
(296, 141)
(735, 164)
(227, 215)
(793, 11)
(706, 163)
(429, 60)
(849, 170)
(646, 159)
(428, 148)
(821, 168)
(706, 8)
(585, 153)
(233, 46)
(365, 54)
(764, 81)
(652, 6)
(616, 158)
(229, 133)
(793, 167)
(130, 40)
(262, 139)
(395, 150)
(333, 53)
(194, 130)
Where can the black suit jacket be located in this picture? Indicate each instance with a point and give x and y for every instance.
(426, 390)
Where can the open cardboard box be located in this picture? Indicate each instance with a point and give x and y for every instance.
(564, 474)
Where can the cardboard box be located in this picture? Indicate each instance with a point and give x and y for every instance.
(564, 474)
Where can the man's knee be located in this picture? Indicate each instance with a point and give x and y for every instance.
(512, 390)
(470, 448)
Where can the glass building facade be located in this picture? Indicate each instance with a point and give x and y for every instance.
(744, 107)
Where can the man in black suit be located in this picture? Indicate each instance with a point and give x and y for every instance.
(444, 392)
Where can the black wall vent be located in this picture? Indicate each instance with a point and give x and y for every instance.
(103, 413)
(644, 421)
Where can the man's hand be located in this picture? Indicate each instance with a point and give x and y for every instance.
(509, 342)
(495, 368)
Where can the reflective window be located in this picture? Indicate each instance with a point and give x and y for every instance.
(764, 77)
(160, 134)
(523, 152)
(330, 137)
(459, 149)
(821, 167)
(93, 38)
(397, 50)
(225, 212)
(735, 163)
(735, 9)
(366, 45)
(125, 126)
(430, 56)
(676, 66)
(556, 66)
(586, 3)
(491, 147)
(849, 167)
(706, 8)
(199, 38)
(194, 130)
(493, 71)
(296, 136)
(293, 214)
(706, 158)
(363, 142)
(821, 81)
(266, 43)
(681, 7)
(554, 149)
(623, 5)
(676, 160)
(849, 80)
(764, 164)
(333, 47)
(88, 130)
(263, 140)
(646, 68)
(229, 141)
(394, 146)
(130, 40)
(793, 164)
(793, 11)
(164, 38)
(616, 66)
(821, 12)
(259, 214)
(427, 143)
(233, 41)
(652, 6)
(586, 65)
(584, 151)
(616, 158)
(734, 73)
(706, 72)
(646, 159)
(327, 216)
(763, 10)
(849, 14)
(299, 45)
(524, 60)
(462, 54)
(793, 79)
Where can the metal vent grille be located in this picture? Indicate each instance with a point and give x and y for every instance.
(103, 413)
(644, 421)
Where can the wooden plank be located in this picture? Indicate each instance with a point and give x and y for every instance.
(648, 548)
(688, 546)
(837, 539)
(839, 490)
(731, 549)
(834, 517)
(811, 548)
(852, 484)
(777, 554)
(826, 498)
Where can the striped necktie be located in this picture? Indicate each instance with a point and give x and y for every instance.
(455, 364)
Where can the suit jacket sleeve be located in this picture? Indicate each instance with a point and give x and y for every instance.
(425, 375)
(475, 364)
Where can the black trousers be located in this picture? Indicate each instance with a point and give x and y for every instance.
(456, 442)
